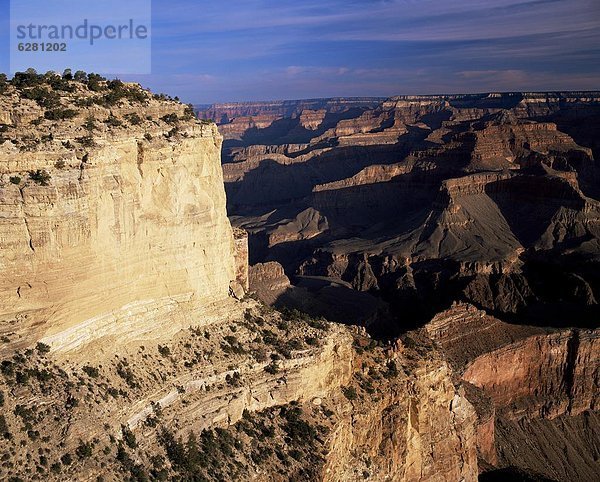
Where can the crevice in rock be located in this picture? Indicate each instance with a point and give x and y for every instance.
(570, 364)
(140, 158)
(29, 235)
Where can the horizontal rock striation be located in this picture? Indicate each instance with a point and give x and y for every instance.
(475, 216)
(467, 195)
(420, 428)
(225, 112)
(550, 375)
(128, 235)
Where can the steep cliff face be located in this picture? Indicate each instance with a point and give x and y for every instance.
(545, 393)
(535, 391)
(550, 375)
(441, 211)
(228, 112)
(127, 237)
(408, 423)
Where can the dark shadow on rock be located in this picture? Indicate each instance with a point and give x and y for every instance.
(334, 301)
(529, 203)
(288, 130)
(512, 474)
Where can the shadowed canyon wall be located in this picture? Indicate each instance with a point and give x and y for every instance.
(428, 199)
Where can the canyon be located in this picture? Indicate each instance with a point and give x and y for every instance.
(331, 289)
(474, 197)
(472, 220)
(132, 348)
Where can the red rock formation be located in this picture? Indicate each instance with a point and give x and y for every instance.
(524, 377)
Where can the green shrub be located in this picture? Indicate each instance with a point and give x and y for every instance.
(84, 450)
(90, 123)
(234, 380)
(328, 413)
(86, 141)
(22, 377)
(127, 375)
(42, 375)
(272, 368)
(58, 83)
(134, 119)
(42, 178)
(300, 432)
(189, 113)
(128, 437)
(60, 114)
(4, 431)
(350, 393)
(233, 346)
(95, 82)
(392, 370)
(24, 412)
(15, 180)
(172, 133)
(112, 121)
(29, 78)
(170, 118)
(66, 459)
(118, 91)
(44, 97)
(91, 371)
(7, 368)
(42, 348)
(80, 76)
(3, 83)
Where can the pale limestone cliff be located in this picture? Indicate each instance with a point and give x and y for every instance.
(129, 237)
(240, 240)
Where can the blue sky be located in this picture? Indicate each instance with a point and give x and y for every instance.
(237, 50)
